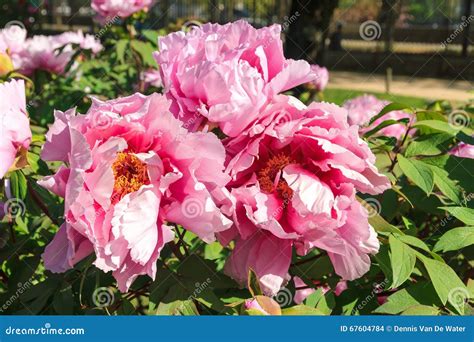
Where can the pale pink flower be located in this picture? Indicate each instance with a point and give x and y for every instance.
(362, 108)
(225, 74)
(303, 293)
(463, 150)
(294, 180)
(253, 304)
(152, 78)
(322, 77)
(12, 42)
(130, 171)
(119, 8)
(15, 133)
(53, 53)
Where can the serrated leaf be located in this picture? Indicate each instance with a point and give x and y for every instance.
(402, 259)
(455, 239)
(418, 172)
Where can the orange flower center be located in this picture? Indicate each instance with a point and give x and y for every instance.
(130, 174)
(271, 170)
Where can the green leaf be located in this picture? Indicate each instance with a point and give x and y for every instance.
(390, 108)
(145, 50)
(418, 172)
(427, 145)
(18, 185)
(121, 47)
(384, 124)
(447, 185)
(414, 242)
(313, 269)
(402, 259)
(443, 277)
(463, 214)
(421, 310)
(436, 125)
(151, 36)
(419, 293)
(253, 284)
(455, 239)
(301, 310)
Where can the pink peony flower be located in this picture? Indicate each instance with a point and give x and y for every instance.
(15, 133)
(130, 171)
(362, 108)
(53, 53)
(463, 150)
(322, 77)
(120, 8)
(294, 182)
(302, 294)
(225, 74)
(50, 53)
(152, 78)
(253, 304)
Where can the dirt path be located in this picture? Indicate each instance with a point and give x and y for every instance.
(429, 88)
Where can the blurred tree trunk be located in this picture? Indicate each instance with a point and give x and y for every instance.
(388, 17)
(467, 16)
(306, 36)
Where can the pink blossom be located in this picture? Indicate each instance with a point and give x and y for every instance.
(130, 171)
(362, 108)
(152, 78)
(463, 150)
(15, 133)
(225, 74)
(294, 180)
(53, 53)
(253, 304)
(322, 77)
(50, 53)
(303, 293)
(120, 8)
